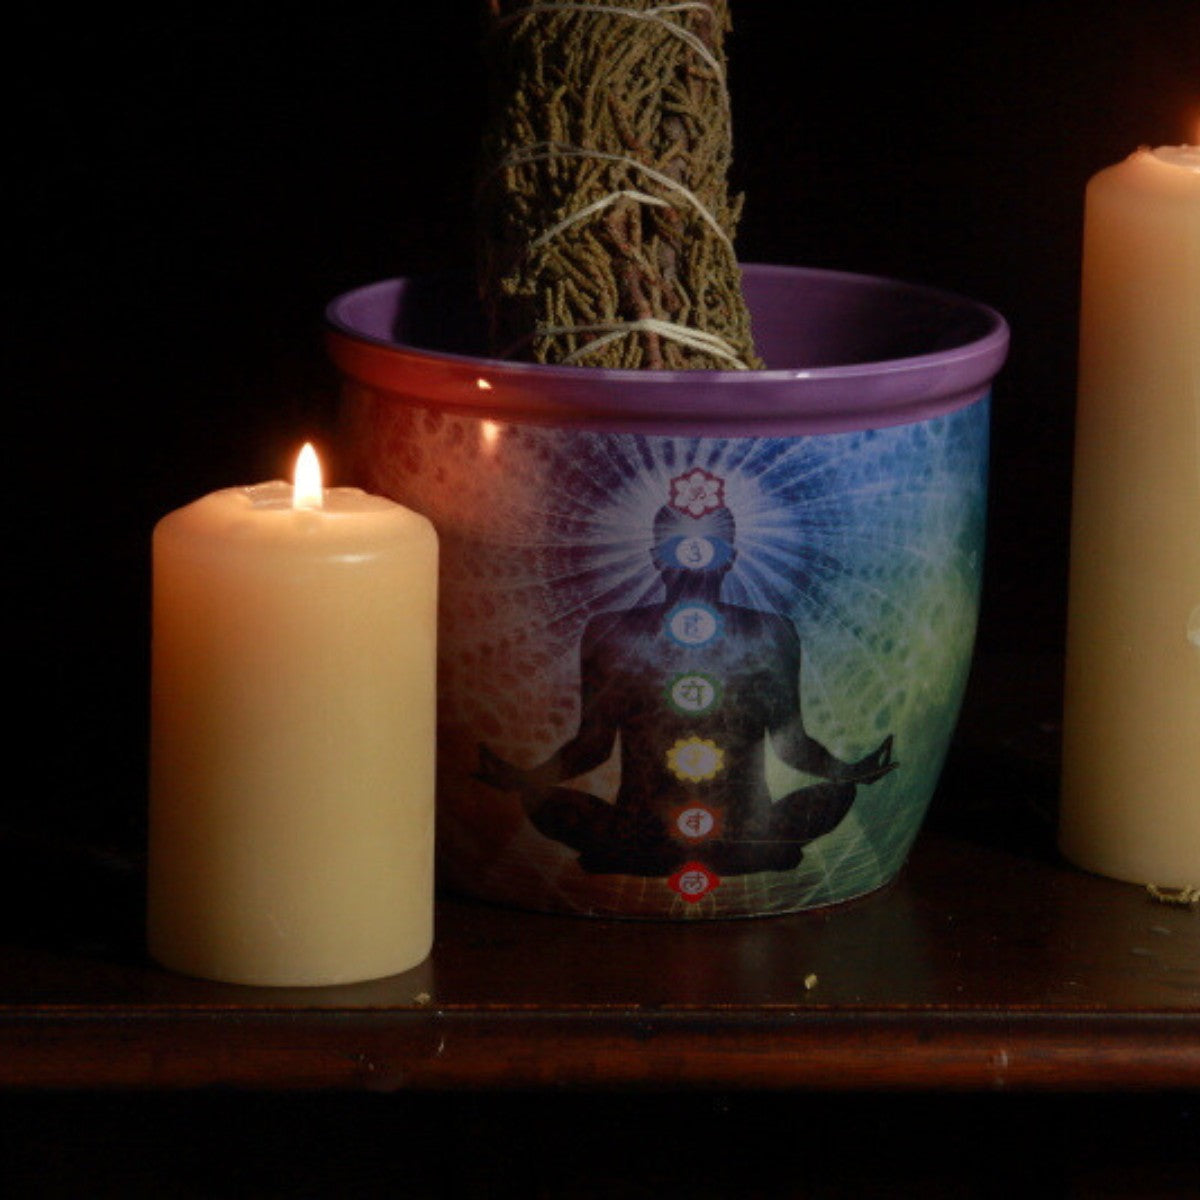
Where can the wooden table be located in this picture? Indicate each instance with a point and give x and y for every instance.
(988, 965)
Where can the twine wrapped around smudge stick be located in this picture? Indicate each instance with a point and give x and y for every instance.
(606, 225)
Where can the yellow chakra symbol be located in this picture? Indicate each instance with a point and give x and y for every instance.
(695, 759)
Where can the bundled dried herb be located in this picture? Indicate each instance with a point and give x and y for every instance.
(605, 217)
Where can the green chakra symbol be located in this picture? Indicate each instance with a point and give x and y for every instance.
(693, 692)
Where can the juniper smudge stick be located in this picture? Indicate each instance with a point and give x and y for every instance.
(605, 217)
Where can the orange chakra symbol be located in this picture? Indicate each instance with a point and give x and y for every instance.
(694, 822)
(695, 759)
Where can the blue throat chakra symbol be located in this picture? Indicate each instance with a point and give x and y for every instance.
(693, 623)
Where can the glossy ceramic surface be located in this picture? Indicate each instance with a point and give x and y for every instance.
(703, 636)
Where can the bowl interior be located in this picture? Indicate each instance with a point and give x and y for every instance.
(801, 318)
(842, 351)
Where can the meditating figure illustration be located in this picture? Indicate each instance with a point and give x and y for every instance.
(693, 686)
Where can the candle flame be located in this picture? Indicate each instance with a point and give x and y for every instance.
(307, 491)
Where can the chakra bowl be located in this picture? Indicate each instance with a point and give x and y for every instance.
(703, 635)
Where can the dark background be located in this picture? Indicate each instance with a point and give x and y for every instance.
(191, 187)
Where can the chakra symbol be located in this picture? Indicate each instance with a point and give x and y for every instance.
(693, 624)
(693, 881)
(695, 760)
(695, 553)
(693, 693)
(694, 823)
(698, 552)
(697, 492)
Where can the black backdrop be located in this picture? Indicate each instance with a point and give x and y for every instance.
(189, 187)
(192, 187)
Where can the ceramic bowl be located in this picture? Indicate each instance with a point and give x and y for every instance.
(703, 635)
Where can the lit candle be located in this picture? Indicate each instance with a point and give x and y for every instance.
(1131, 746)
(292, 748)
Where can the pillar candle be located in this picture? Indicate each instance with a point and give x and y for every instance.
(292, 736)
(1131, 739)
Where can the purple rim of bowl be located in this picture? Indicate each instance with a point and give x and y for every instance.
(841, 351)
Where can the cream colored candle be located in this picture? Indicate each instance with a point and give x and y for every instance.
(1131, 746)
(292, 755)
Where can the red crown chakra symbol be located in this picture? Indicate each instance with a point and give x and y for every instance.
(693, 881)
(697, 492)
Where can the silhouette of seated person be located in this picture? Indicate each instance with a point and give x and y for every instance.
(699, 765)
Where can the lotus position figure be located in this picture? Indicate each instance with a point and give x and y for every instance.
(693, 686)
